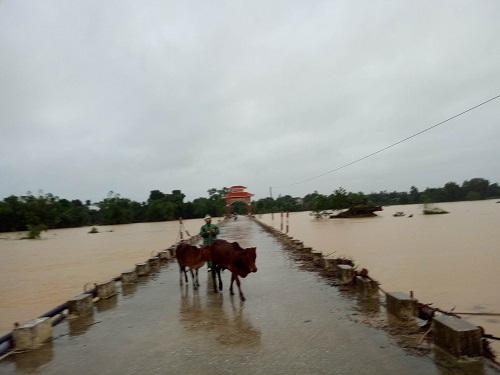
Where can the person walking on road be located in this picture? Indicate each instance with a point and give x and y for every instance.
(209, 233)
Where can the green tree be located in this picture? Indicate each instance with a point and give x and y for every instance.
(240, 208)
(12, 215)
(155, 195)
(287, 203)
(176, 199)
(476, 188)
(339, 199)
(318, 203)
(34, 231)
(451, 192)
(494, 191)
(115, 210)
(203, 206)
(404, 198)
(264, 206)
(414, 196)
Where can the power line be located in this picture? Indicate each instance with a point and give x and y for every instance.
(392, 145)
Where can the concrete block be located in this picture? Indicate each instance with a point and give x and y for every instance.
(329, 262)
(401, 305)
(346, 273)
(172, 250)
(154, 261)
(106, 290)
(299, 245)
(129, 277)
(307, 249)
(32, 334)
(142, 269)
(317, 256)
(283, 237)
(81, 305)
(457, 336)
(366, 287)
(165, 254)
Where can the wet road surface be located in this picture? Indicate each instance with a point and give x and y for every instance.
(292, 322)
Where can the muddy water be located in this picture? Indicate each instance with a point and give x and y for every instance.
(449, 260)
(38, 275)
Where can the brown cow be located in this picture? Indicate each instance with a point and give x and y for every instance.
(229, 255)
(192, 257)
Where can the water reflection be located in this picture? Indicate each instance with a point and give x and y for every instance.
(230, 327)
(154, 269)
(448, 365)
(106, 304)
(128, 289)
(79, 325)
(30, 362)
(368, 305)
(240, 231)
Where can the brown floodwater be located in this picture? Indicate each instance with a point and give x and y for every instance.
(448, 260)
(451, 261)
(38, 275)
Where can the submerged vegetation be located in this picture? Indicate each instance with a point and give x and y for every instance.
(34, 231)
(434, 211)
(32, 213)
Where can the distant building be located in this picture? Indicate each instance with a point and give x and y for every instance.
(237, 193)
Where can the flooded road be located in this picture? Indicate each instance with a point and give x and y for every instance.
(292, 322)
(449, 260)
(38, 275)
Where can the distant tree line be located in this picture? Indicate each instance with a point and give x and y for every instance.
(29, 211)
(474, 189)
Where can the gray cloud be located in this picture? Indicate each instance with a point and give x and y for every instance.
(135, 96)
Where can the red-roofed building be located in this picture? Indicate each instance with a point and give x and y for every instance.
(237, 193)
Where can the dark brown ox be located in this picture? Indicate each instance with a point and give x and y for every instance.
(192, 257)
(231, 256)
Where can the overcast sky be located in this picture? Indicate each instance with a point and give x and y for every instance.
(134, 96)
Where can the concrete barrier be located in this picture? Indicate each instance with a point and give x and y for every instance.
(329, 262)
(285, 239)
(366, 287)
(172, 250)
(317, 256)
(401, 305)
(346, 273)
(106, 290)
(457, 336)
(142, 269)
(154, 261)
(165, 254)
(129, 277)
(32, 334)
(81, 305)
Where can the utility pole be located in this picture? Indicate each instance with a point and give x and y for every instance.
(271, 196)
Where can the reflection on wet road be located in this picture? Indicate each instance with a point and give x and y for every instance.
(229, 327)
